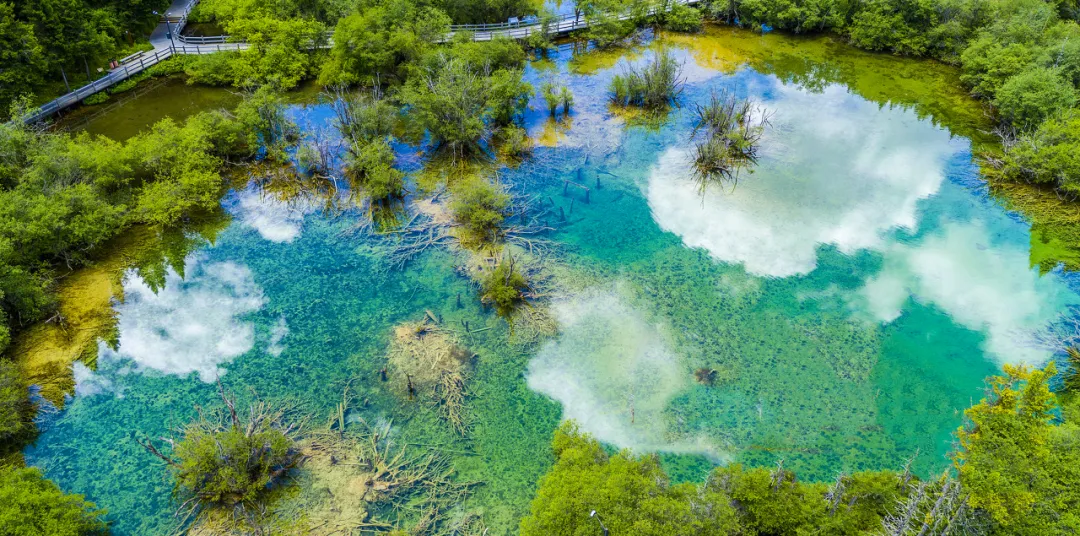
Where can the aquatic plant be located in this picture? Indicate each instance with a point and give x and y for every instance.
(365, 480)
(479, 207)
(654, 87)
(732, 128)
(551, 96)
(227, 464)
(504, 286)
(362, 117)
(263, 113)
(460, 95)
(371, 165)
(515, 142)
(566, 98)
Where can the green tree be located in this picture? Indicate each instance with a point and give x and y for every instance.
(373, 43)
(22, 60)
(1049, 155)
(1027, 99)
(479, 207)
(33, 506)
(16, 411)
(1014, 464)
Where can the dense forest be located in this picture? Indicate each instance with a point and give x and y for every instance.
(1016, 465)
(49, 45)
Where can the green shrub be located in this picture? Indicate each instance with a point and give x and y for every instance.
(97, 98)
(515, 142)
(218, 69)
(126, 85)
(683, 18)
(1049, 155)
(479, 207)
(503, 287)
(171, 66)
(1027, 99)
(371, 166)
(732, 128)
(566, 98)
(227, 463)
(30, 505)
(16, 411)
(551, 97)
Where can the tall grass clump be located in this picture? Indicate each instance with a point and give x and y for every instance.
(653, 87)
(731, 129)
(556, 95)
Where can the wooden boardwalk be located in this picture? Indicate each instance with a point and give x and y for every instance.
(172, 25)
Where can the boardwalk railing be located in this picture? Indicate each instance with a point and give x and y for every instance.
(136, 63)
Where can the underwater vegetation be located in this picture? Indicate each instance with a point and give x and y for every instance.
(836, 314)
(425, 359)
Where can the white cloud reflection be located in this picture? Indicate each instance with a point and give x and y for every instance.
(614, 374)
(274, 219)
(837, 170)
(982, 286)
(191, 325)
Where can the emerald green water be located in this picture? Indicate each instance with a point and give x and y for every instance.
(852, 294)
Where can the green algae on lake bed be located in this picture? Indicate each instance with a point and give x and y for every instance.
(851, 294)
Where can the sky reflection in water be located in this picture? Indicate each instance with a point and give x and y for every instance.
(852, 293)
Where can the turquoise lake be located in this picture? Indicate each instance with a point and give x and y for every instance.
(852, 293)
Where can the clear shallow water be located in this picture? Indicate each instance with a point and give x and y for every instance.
(852, 292)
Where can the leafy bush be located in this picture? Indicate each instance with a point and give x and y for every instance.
(30, 505)
(1050, 155)
(479, 207)
(683, 18)
(458, 95)
(515, 142)
(550, 93)
(371, 166)
(100, 97)
(633, 495)
(1014, 463)
(126, 85)
(16, 411)
(1027, 99)
(379, 39)
(503, 287)
(606, 27)
(226, 463)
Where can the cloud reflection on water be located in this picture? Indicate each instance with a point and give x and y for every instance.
(274, 219)
(981, 285)
(837, 170)
(191, 325)
(614, 373)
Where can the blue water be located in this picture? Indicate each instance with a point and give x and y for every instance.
(851, 293)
